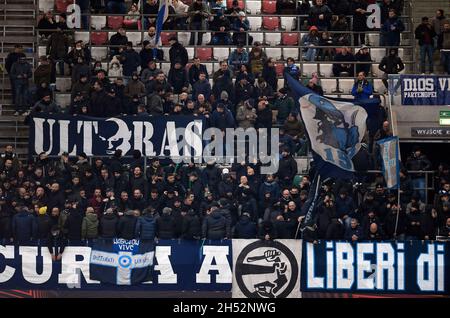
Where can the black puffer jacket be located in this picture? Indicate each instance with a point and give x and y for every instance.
(108, 225)
(191, 226)
(166, 227)
(215, 226)
(127, 226)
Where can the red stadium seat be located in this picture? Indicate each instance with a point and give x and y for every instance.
(279, 67)
(270, 23)
(99, 38)
(241, 4)
(61, 5)
(165, 36)
(115, 22)
(290, 39)
(204, 54)
(269, 6)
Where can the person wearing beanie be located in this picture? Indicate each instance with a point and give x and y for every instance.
(310, 41)
(43, 224)
(283, 105)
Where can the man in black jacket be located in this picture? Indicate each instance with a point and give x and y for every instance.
(287, 168)
(117, 40)
(126, 227)
(113, 106)
(418, 162)
(425, 34)
(73, 223)
(177, 52)
(166, 225)
(391, 64)
(98, 100)
(10, 60)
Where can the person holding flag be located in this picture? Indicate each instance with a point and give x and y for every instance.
(335, 130)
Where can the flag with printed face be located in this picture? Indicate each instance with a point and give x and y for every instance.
(122, 262)
(391, 164)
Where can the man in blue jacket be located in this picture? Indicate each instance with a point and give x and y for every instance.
(362, 89)
(391, 29)
(130, 60)
(222, 118)
(23, 227)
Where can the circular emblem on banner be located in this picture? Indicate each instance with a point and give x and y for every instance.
(266, 269)
(124, 261)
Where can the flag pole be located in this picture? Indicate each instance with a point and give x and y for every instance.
(314, 199)
(398, 186)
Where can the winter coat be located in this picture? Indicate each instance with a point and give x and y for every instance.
(222, 120)
(21, 69)
(134, 87)
(424, 34)
(98, 102)
(126, 227)
(191, 226)
(43, 226)
(201, 87)
(89, 227)
(243, 92)
(108, 225)
(215, 226)
(178, 53)
(287, 168)
(392, 37)
(367, 90)
(349, 232)
(131, 61)
(73, 224)
(245, 228)
(267, 228)
(246, 117)
(236, 59)
(145, 228)
(391, 64)
(284, 105)
(178, 79)
(359, 19)
(314, 14)
(11, 59)
(23, 227)
(194, 73)
(166, 227)
(42, 74)
(57, 46)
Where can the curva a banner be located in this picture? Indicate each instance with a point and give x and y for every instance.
(406, 267)
(120, 265)
(425, 90)
(153, 136)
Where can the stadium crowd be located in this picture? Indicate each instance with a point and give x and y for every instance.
(49, 198)
(116, 197)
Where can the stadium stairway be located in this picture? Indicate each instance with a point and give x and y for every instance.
(428, 9)
(17, 21)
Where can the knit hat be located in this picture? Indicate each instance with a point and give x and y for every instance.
(224, 95)
(43, 210)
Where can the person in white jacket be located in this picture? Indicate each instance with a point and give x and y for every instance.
(181, 12)
(115, 68)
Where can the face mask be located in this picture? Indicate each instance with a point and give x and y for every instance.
(78, 48)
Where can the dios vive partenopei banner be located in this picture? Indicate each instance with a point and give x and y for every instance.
(177, 265)
(266, 269)
(406, 267)
(425, 90)
(152, 135)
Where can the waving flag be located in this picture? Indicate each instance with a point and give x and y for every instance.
(163, 14)
(335, 130)
(391, 163)
(122, 262)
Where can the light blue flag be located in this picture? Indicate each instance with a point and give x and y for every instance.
(391, 163)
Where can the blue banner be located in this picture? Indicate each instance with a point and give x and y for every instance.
(178, 265)
(152, 135)
(406, 267)
(425, 90)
